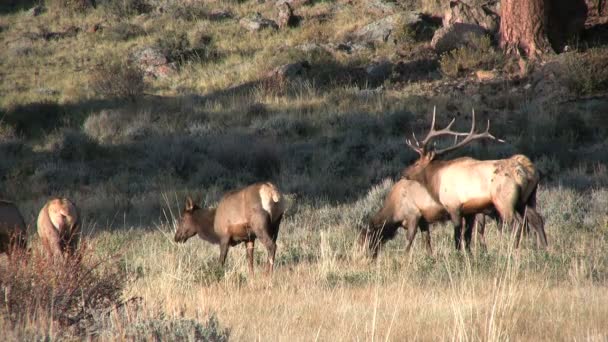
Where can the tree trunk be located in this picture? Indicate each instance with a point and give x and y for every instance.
(523, 27)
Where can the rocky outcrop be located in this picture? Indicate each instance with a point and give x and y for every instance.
(455, 36)
(483, 16)
(153, 63)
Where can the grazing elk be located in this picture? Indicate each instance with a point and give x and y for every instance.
(466, 186)
(408, 205)
(12, 228)
(241, 216)
(59, 227)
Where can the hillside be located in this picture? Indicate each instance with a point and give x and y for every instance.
(128, 106)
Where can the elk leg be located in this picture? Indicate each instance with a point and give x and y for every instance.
(480, 227)
(537, 222)
(274, 227)
(250, 245)
(468, 231)
(456, 219)
(426, 234)
(260, 223)
(224, 244)
(412, 228)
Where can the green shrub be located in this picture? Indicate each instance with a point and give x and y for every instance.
(479, 54)
(118, 80)
(586, 72)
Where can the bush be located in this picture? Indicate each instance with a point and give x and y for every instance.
(586, 72)
(123, 31)
(479, 54)
(69, 7)
(179, 330)
(177, 48)
(118, 80)
(69, 293)
(126, 8)
(72, 145)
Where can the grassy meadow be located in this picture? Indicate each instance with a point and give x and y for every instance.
(79, 119)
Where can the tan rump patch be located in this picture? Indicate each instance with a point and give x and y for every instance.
(272, 201)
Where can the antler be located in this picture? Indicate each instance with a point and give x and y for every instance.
(422, 147)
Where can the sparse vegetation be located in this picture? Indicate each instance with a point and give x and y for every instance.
(74, 121)
(479, 54)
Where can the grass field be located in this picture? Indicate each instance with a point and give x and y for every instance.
(78, 119)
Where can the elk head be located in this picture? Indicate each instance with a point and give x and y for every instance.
(428, 153)
(187, 226)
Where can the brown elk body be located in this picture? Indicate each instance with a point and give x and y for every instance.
(12, 228)
(244, 215)
(408, 205)
(59, 227)
(466, 186)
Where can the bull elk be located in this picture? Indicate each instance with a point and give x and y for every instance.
(466, 186)
(408, 205)
(59, 227)
(12, 228)
(241, 216)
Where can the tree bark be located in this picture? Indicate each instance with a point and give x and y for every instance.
(523, 27)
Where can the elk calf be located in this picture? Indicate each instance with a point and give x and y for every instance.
(243, 215)
(408, 205)
(12, 228)
(59, 227)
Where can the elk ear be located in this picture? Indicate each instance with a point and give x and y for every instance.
(189, 204)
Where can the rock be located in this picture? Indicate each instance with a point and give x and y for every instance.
(377, 31)
(36, 11)
(219, 14)
(455, 36)
(154, 63)
(460, 12)
(285, 17)
(290, 71)
(486, 75)
(380, 31)
(380, 7)
(256, 23)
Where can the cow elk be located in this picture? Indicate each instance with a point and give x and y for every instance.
(466, 186)
(408, 205)
(59, 227)
(13, 233)
(243, 215)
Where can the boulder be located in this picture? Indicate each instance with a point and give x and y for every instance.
(380, 31)
(256, 22)
(455, 36)
(153, 63)
(483, 16)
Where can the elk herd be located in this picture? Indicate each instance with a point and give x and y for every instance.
(463, 191)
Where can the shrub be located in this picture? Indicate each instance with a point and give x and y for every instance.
(69, 7)
(126, 8)
(72, 145)
(587, 72)
(177, 48)
(67, 293)
(119, 80)
(479, 54)
(34, 119)
(123, 31)
(179, 330)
